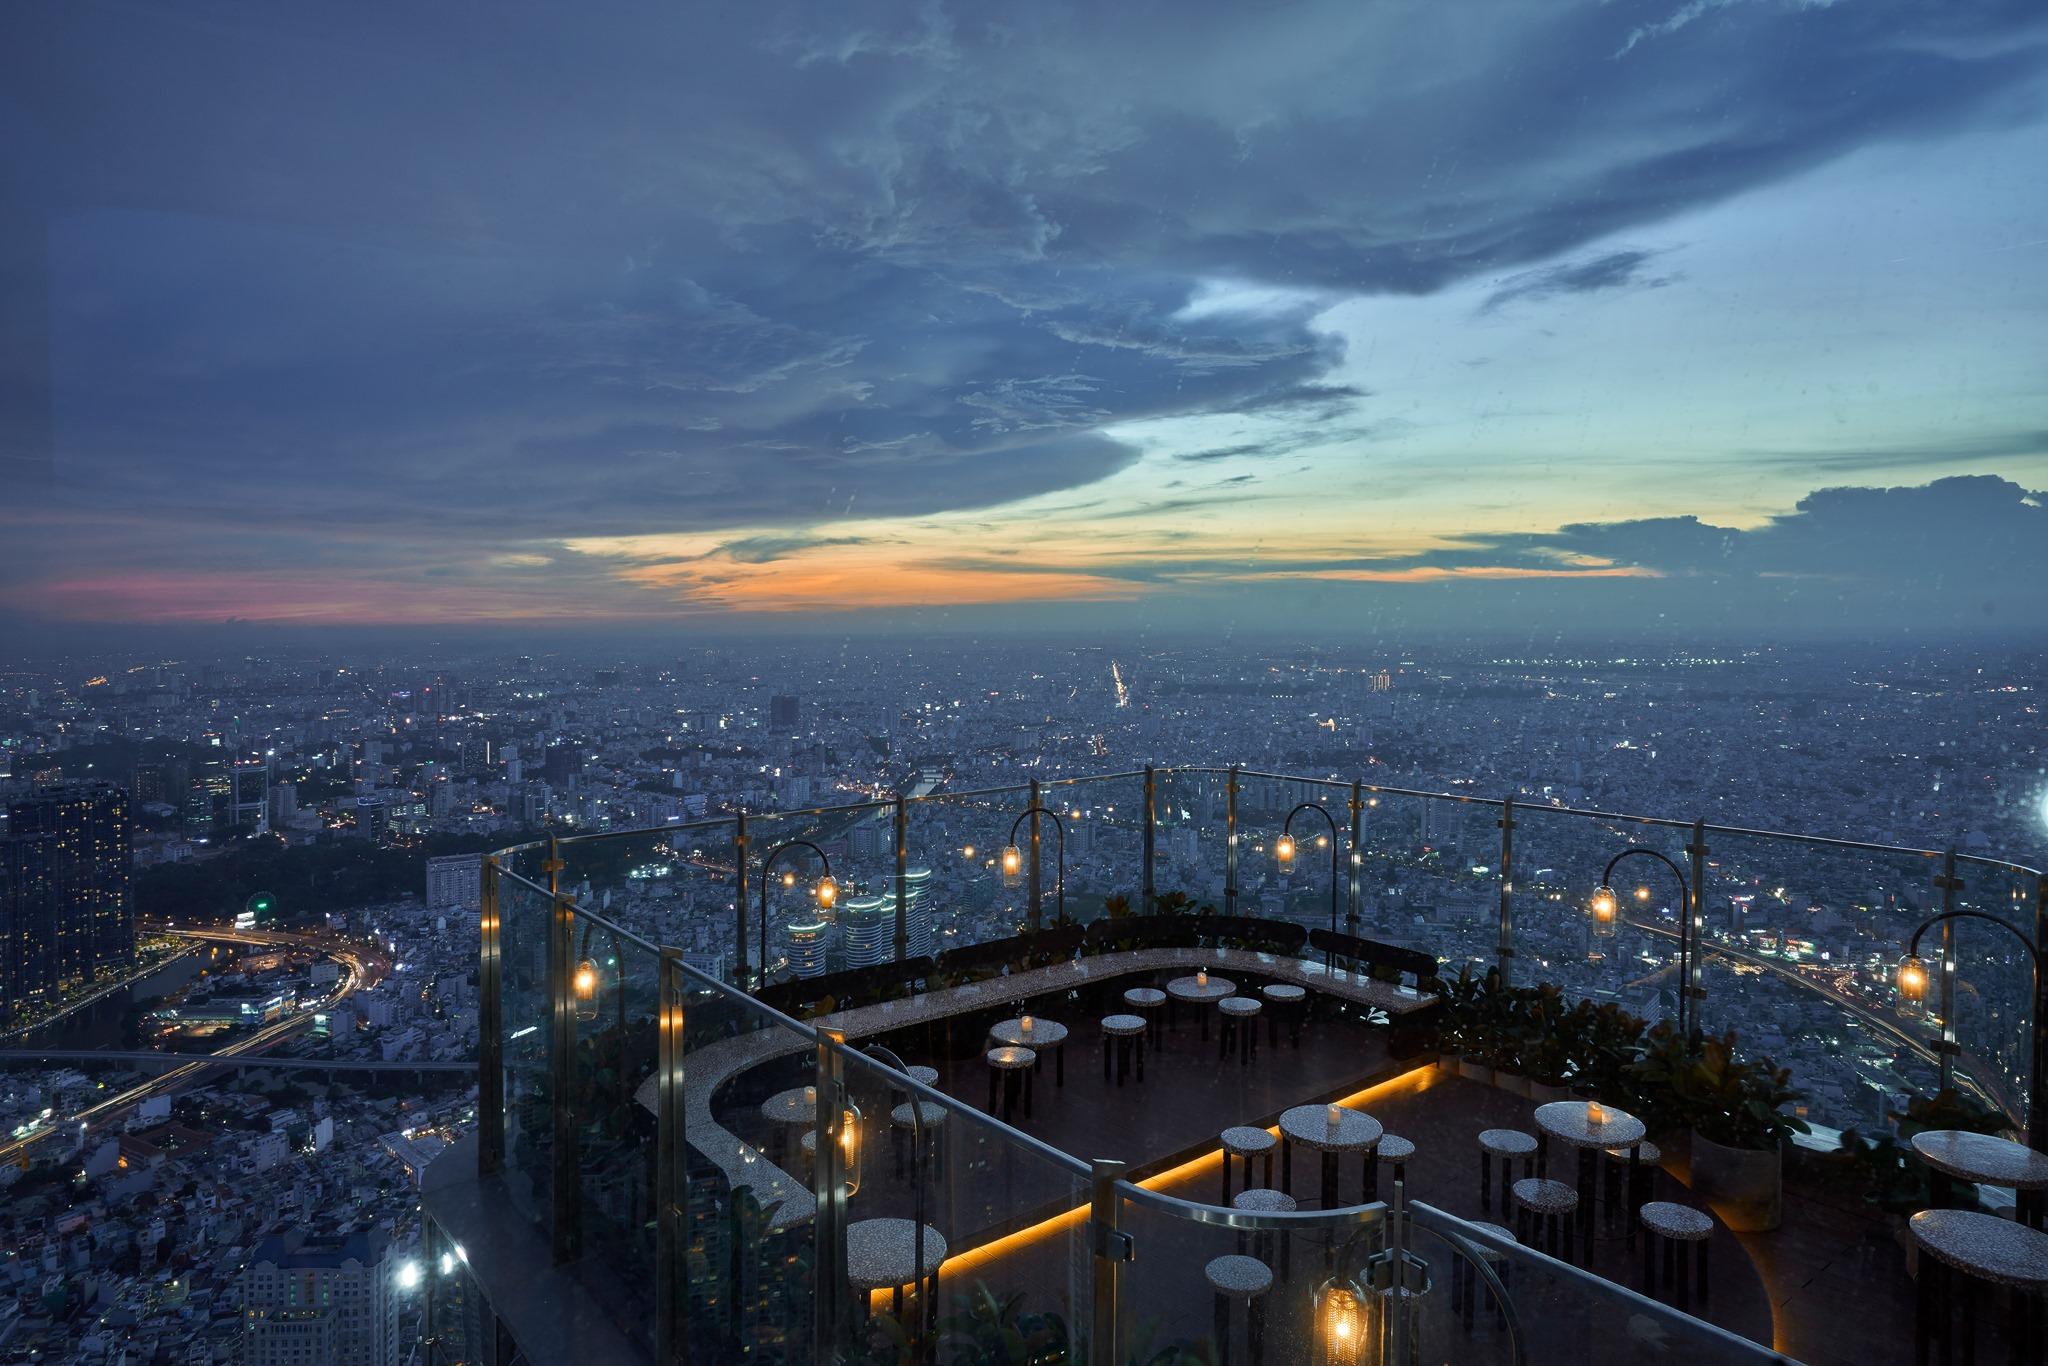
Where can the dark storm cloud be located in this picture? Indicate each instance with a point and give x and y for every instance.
(535, 271)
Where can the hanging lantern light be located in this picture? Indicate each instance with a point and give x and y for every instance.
(584, 984)
(1283, 849)
(1013, 866)
(849, 1148)
(1341, 1310)
(828, 892)
(1913, 977)
(1605, 910)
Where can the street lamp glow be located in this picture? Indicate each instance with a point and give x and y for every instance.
(1013, 865)
(828, 892)
(1913, 977)
(409, 1276)
(1283, 849)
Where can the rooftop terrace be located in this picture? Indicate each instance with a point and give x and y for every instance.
(702, 1083)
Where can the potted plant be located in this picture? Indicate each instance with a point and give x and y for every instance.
(1734, 1109)
(1466, 1006)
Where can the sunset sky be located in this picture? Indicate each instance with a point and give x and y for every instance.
(1349, 313)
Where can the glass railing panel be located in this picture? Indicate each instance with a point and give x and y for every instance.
(1105, 820)
(1994, 985)
(957, 892)
(809, 934)
(614, 984)
(1011, 1219)
(1428, 876)
(1627, 957)
(748, 1211)
(1801, 942)
(1192, 842)
(524, 1015)
(1561, 1312)
(1168, 1304)
(1298, 888)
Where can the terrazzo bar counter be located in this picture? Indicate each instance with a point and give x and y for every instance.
(787, 1200)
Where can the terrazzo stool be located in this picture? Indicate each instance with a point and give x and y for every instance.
(1240, 1278)
(1247, 1141)
(1265, 1201)
(1127, 1034)
(1467, 1285)
(1542, 1206)
(1397, 1150)
(1287, 999)
(902, 1124)
(1011, 1068)
(1148, 1003)
(1507, 1145)
(881, 1254)
(1960, 1248)
(1619, 1194)
(1240, 1027)
(1677, 1227)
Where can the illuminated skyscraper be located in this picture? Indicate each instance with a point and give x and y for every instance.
(69, 900)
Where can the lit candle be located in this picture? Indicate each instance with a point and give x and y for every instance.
(810, 1095)
(1024, 1025)
(1336, 1115)
(1201, 977)
(1595, 1116)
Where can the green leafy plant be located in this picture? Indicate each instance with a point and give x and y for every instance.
(1711, 1090)
(1884, 1170)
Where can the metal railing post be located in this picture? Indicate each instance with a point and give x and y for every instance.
(562, 1074)
(1037, 891)
(1112, 1248)
(902, 879)
(671, 1183)
(1151, 829)
(1505, 947)
(490, 1026)
(742, 967)
(2037, 1085)
(1230, 843)
(1693, 996)
(1949, 884)
(829, 1227)
(1351, 916)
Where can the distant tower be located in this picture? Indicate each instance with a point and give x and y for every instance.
(783, 712)
(249, 795)
(88, 863)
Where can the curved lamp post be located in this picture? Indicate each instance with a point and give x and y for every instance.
(1607, 911)
(827, 891)
(1013, 858)
(1283, 848)
(1912, 980)
(917, 1104)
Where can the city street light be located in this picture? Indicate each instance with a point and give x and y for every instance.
(1013, 858)
(1913, 979)
(1606, 910)
(826, 890)
(1283, 848)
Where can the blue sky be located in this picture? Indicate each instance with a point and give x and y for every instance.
(1268, 315)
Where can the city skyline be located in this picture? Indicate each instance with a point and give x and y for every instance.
(910, 319)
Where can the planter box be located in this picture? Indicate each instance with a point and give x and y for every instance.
(1514, 1083)
(1543, 1093)
(1746, 1186)
(1472, 1069)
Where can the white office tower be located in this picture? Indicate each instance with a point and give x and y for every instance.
(455, 882)
(308, 1298)
(867, 930)
(917, 883)
(809, 942)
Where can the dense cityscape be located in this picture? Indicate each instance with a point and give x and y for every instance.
(282, 854)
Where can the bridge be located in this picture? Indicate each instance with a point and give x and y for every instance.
(145, 1057)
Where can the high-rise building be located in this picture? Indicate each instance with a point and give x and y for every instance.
(151, 783)
(560, 765)
(783, 712)
(308, 1299)
(867, 930)
(87, 923)
(455, 882)
(248, 795)
(27, 903)
(373, 818)
(809, 942)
